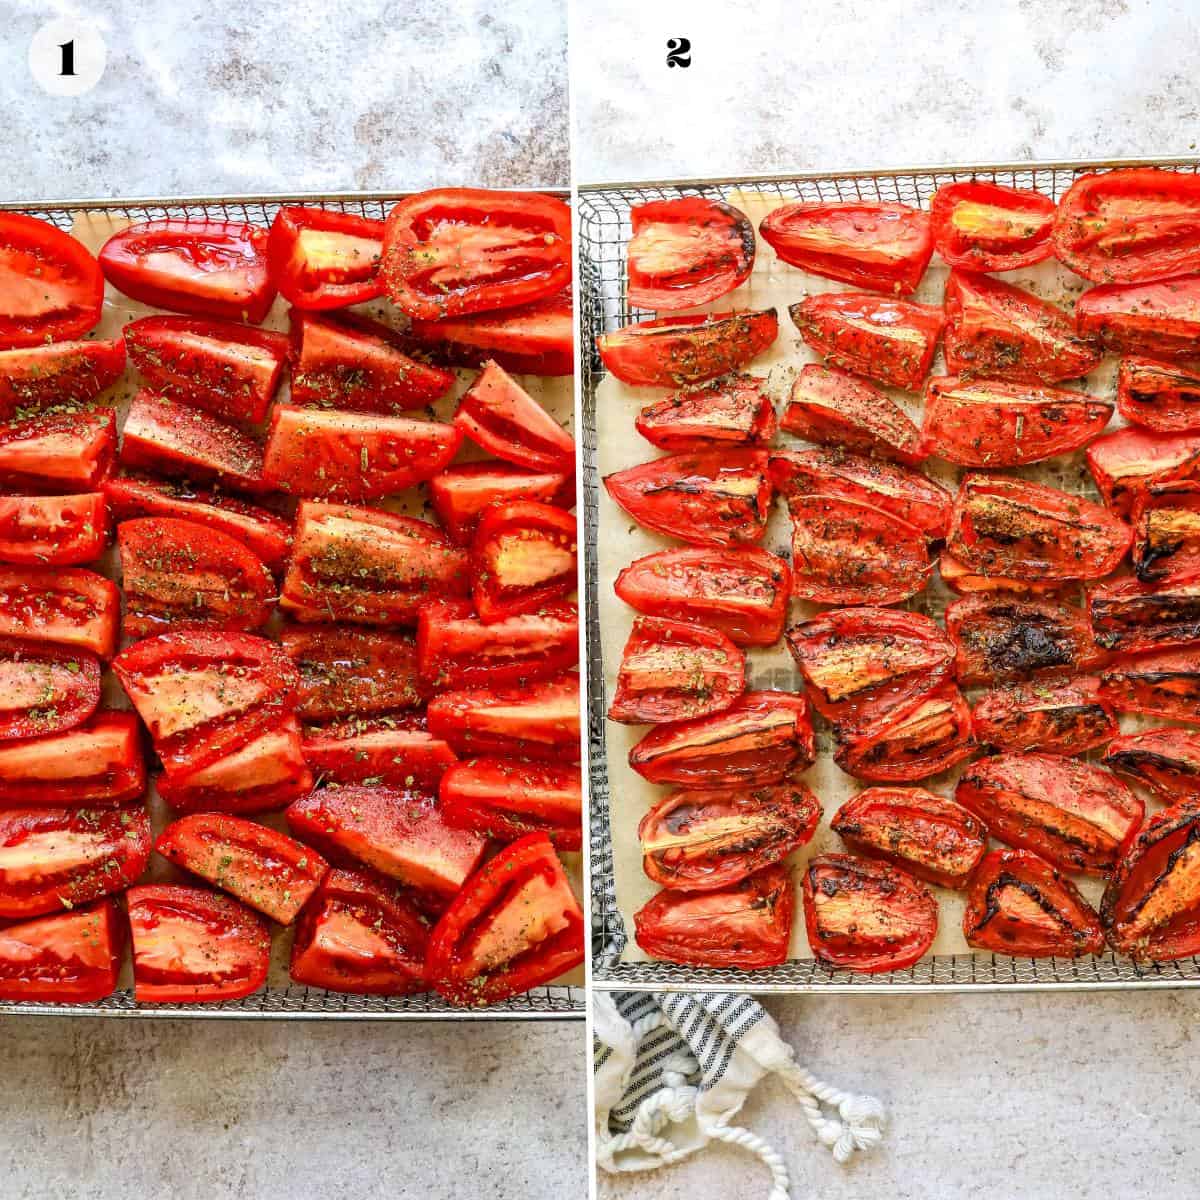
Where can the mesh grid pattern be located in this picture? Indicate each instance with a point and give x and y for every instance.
(605, 230)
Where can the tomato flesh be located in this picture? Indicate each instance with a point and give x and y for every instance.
(58, 453)
(321, 258)
(1166, 761)
(55, 376)
(506, 799)
(53, 530)
(394, 752)
(69, 606)
(461, 493)
(525, 555)
(1054, 716)
(985, 226)
(64, 958)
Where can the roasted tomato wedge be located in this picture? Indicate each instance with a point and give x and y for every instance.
(1167, 761)
(461, 493)
(1151, 907)
(462, 250)
(193, 945)
(679, 351)
(740, 590)
(58, 453)
(368, 566)
(1030, 531)
(705, 839)
(1128, 462)
(1018, 904)
(993, 328)
(59, 531)
(984, 226)
(1080, 817)
(395, 751)
(458, 650)
(1165, 683)
(67, 605)
(525, 555)
(55, 858)
(747, 925)
(889, 341)
(997, 423)
(360, 365)
(881, 246)
(964, 581)
(832, 407)
(51, 288)
(848, 552)
(735, 411)
(674, 671)
(185, 442)
(1129, 615)
(1131, 225)
(1161, 396)
(934, 838)
(865, 915)
(360, 935)
(515, 924)
(762, 738)
(259, 866)
(183, 575)
(66, 375)
(212, 268)
(45, 688)
(1057, 716)
(507, 798)
(686, 252)
(1160, 319)
(720, 498)
(320, 258)
(64, 958)
(539, 721)
(858, 663)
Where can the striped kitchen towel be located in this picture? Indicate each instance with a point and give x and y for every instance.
(673, 1070)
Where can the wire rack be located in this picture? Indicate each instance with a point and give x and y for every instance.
(604, 233)
(278, 1002)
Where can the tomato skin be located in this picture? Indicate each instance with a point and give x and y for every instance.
(1129, 615)
(507, 799)
(525, 555)
(460, 493)
(64, 958)
(210, 268)
(747, 925)
(47, 688)
(1166, 761)
(686, 252)
(681, 351)
(193, 945)
(320, 258)
(984, 226)
(68, 606)
(844, 895)
(889, 341)
(1128, 463)
(1161, 396)
(58, 453)
(998, 918)
(54, 375)
(1054, 716)
(702, 840)
(882, 246)
(736, 411)
(60, 531)
(1163, 683)
(395, 752)
(69, 293)
(1161, 319)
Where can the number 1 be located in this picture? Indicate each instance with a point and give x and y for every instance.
(68, 58)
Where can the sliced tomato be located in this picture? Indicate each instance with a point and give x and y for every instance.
(392, 751)
(451, 251)
(64, 958)
(736, 411)
(525, 555)
(193, 945)
(461, 493)
(455, 649)
(56, 858)
(931, 837)
(681, 351)
(1160, 396)
(54, 375)
(66, 605)
(225, 367)
(539, 721)
(59, 453)
(1161, 319)
(368, 566)
(721, 498)
(864, 915)
(889, 341)
(45, 688)
(1056, 716)
(998, 423)
(686, 252)
(1128, 462)
(704, 839)
(360, 935)
(963, 581)
(508, 798)
(762, 738)
(747, 925)
(321, 258)
(1031, 531)
(51, 287)
(740, 590)
(1166, 761)
(996, 329)
(1129, 615)
(211, 268)
(1020, 905)
(185, 442)
(360, 365)
(985, 226)
(1164, 683)
(883, 246)
(56, 531)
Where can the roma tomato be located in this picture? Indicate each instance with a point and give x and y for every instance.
(45, 688)
(525, 555)
(686, 252)
(984, 226)
(736, 411)
(1129, 615)
(1127, 463)
(706, 839)
(66, 605)
(321, 258)
(395, 752)
(64, 958)
(1166, 761)
(747, 925)
(964, 581)
(59, 531)
(1160, 396)
(508, 798)
(1164, 683)
(461, 493)
(58, 453)
(1161, 319)
(57, 375)
(211, 268)
(1056, 716)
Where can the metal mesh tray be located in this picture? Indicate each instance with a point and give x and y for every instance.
(604, 232)
(284, 1001)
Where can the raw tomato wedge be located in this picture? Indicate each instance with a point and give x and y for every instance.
(45, 688)
(735, 411)
(984, 226)
(1166, 761)
(508, 798)
(64, 958)
(54, 375)
(525, 555)
(1164, 683)
(58, 531)
(1055, 716)
(1128, 615)
(1161, 319)
(1161, 396)
(1129, 462)
(321, 258)
(461, 493)
(393, 752)
(66, 605)
(60, 452)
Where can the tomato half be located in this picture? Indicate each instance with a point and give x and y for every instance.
(736, 411)
(508, 798)
(525, 555)
(984, 226)
(391, 751)
(1164, 683)
(1129, 615)
(1161, 319)
(1056, 716)
(51, 287)
(211, 268)
(53, 530)
(461, 493)
(1166, 761)
(321, 258)
(55, 375)
(58, 453)
(66, 605)
(64, 958)
(1128, 462)
(1161, 396)
(964, 581)
(45, 688)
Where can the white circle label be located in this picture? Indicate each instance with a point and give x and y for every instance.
(67, 56)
